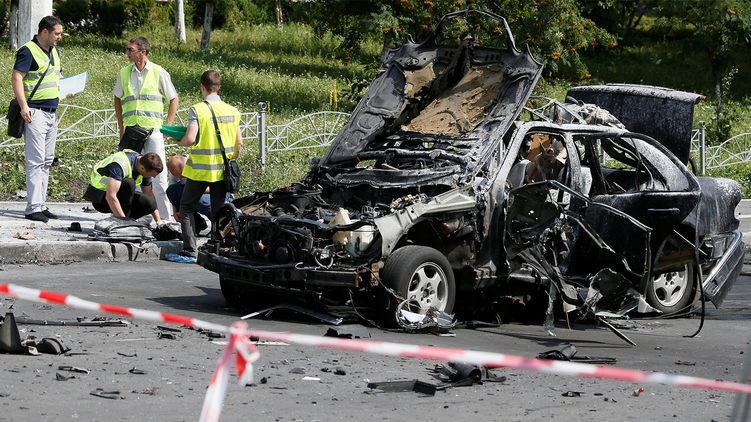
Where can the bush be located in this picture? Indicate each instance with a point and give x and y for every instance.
(75, 14)
(104, 17)
(3, 18)
(230, 13)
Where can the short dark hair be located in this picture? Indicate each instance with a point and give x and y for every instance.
(151, 161)
(211, 80)
(142, 43)
(48, 23)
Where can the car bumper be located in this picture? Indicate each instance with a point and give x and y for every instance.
(722, 276)
(286, 280)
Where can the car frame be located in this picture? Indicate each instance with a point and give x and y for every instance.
(429, 193)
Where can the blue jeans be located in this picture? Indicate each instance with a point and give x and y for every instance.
(203, 207)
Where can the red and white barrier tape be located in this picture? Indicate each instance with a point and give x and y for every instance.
(246, 352)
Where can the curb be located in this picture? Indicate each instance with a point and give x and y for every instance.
(32, 252)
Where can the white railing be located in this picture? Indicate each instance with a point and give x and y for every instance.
(319, 130)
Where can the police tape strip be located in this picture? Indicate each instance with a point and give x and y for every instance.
(246, 352)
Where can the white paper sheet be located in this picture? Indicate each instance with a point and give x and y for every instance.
(73, 84)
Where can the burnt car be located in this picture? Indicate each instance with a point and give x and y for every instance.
(435, 188)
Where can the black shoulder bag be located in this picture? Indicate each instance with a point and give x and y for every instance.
(15, 121)
(232, 172)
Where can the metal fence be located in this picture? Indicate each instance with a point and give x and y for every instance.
(319, 129)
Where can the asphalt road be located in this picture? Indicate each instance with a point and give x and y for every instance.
(179, 370)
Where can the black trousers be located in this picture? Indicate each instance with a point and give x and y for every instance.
(134, 204)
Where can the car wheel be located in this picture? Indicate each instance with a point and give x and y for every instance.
(420, 275)
(672, 291)
(231, 293)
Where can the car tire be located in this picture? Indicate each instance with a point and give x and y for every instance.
(231, 293)
(673, 291)
(420, 275)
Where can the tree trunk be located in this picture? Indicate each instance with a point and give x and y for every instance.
(207, 18)
(718, 94)
(13, 28)
(278, 13)
(180, 20)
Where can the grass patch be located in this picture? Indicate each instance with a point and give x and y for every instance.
(297, 72)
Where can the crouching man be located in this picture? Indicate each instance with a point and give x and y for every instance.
(114, 181)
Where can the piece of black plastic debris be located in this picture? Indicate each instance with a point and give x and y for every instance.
(264, 380)
(74, 227)
(568, 354)
(348, 331)
(128, 355)
(4, 394)
(340, 371)
(150, 391)
(114, 394)
(401, 386)
(324, 369)
(88, 209)
(61, 377)
(572, 394)
(51, 345)
(297, 371)
(680, 362)
(79, 322)
(462, 371)
(168, 336)
(212, 334)
(10, 337)
(137, 371)
(163, 328)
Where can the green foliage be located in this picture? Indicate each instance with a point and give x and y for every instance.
(140, 12)
(741, 173)
(3, 17)
(231, 14)
(75, 15)
(555, 30)
(104, 17)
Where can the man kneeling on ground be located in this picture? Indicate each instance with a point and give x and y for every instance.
(114, 180)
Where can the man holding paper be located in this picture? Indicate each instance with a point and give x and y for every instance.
(140, 92)
(36, 86)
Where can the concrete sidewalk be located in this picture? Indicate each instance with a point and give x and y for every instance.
(25, 241)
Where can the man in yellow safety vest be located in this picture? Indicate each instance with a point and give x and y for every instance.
(205, 165)
(37, 69)
(113, 182)
(140, 92)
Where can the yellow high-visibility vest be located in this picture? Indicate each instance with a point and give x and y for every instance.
(145, 108)
(205, 162)
(50, 85)
(99, 181)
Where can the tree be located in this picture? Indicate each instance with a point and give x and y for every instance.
(207, 18)
(717, 28)
(180, 20)
(554, 29)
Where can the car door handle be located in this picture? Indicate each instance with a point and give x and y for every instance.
(663, 211)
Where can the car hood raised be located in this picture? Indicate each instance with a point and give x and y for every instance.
(437, 102)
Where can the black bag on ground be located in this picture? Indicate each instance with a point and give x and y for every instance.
(121, 229)
(15, 121)
(232, 176)
(134, 137)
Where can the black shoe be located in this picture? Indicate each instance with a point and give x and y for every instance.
(37, 216)
(49, 215)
